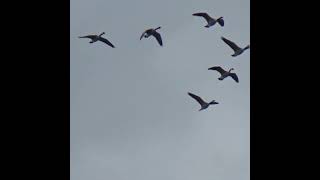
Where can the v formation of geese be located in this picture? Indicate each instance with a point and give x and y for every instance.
(210, 22)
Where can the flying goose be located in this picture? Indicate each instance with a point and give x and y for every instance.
(152, 32)
(237, 50)
(211, 21)
(224, 73)
(95, 38)
(204, 105)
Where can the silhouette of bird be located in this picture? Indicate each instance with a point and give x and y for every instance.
(224, 73)
(95, 38)
(203, 104)
(237, 50)
(152, 32)
(211, 21)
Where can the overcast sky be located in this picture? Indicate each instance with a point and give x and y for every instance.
(131, 117)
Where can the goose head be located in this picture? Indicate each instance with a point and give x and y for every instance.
(213, 102)
(157, 28)
(101, 34)
(231, 70)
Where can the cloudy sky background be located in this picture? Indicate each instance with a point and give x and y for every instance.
(131, 117)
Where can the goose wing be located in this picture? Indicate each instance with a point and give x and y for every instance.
(158, 37)
(218, 68)
(142, 35)
(234, 77)
(231, 44)
(106, 41)
(197, 98)
(88, 36)
(204, 15)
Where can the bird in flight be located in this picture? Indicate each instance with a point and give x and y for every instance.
(95, 38)
(224, 73)
(237, 50)
(211, 21)
(152, 32)
(203, 104)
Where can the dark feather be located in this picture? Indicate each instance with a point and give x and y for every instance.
(218, 68)
(142, 35)
(106, 41)
(234, 77)
(197, 98)
(88, 36)
(221, 21)
(158, 37)
(231, 44)
(204, 15)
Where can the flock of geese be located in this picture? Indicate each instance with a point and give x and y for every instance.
(210, 22)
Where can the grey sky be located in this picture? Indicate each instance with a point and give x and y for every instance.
(131, 117)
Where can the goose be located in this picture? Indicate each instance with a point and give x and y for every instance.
(152, 32)
(204, 105)
(95, 38)
(211, 21)
(225, 74)
(237, 50)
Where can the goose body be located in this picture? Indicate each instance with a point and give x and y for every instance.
(203, 104)
(152, 32)
(95, 38)
(210, 21)
(224, 74)
(237, 50)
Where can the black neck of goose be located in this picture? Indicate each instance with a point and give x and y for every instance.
(230, 70)
(157, 28)
(101, 34)
(247, 47)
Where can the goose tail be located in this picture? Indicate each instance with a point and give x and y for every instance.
(220, 21)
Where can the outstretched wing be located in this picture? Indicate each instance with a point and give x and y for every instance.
(106, 41)
(234, 77)
(197, 98)
(218, 68)
(231, 44)
(204, 15)
(88, 36)
(158, 37)
(142, 35)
